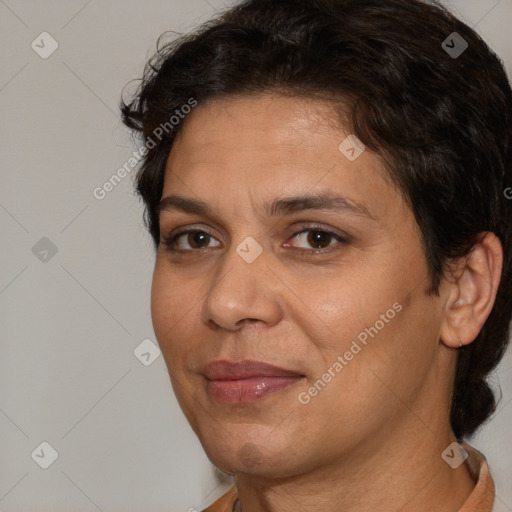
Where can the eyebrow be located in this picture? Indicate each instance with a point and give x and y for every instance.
(321, 201)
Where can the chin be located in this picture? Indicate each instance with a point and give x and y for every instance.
(252, 454)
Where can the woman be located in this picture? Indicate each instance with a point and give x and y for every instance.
(324, 185)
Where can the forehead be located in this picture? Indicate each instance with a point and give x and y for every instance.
(264, 146)
(267, 121)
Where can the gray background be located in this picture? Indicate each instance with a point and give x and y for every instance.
(70, 323)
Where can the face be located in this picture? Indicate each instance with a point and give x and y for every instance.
(289, 299)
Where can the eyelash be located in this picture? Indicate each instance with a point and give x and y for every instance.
(170, 241)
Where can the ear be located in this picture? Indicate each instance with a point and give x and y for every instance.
(472, 291)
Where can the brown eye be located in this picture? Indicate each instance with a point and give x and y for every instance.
(319, 239)
(197, 238)
(187, 241)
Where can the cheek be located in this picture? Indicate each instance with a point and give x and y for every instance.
(171, 308)
(377, 363)
(359, 322)
(345, 305)
(162, 306)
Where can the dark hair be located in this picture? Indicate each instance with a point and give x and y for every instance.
(441, 122)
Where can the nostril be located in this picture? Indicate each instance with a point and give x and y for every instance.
(247, 320)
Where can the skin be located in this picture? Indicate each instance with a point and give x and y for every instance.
(382, 422)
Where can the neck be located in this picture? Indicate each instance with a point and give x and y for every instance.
(410, 477)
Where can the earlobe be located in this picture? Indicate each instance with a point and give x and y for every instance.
(472, 293)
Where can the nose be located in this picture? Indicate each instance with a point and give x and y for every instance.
(242, 292)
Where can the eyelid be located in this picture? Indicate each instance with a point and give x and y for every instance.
(320, 227)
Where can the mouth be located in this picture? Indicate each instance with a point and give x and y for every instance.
(246, 381)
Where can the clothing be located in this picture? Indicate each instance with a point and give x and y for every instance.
(480, 500)
(225, 503)
(482, 497)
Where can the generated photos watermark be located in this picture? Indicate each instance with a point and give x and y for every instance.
(343, 360)
(121, 173)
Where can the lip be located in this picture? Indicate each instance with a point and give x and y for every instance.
(246, 381)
